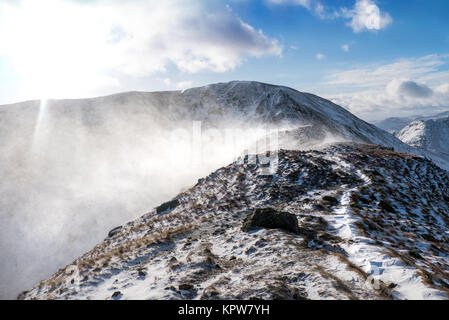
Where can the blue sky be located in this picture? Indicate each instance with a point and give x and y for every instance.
(377, 58)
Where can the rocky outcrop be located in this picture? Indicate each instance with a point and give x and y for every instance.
(271, 219)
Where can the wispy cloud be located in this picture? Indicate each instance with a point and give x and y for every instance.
(320, 56)
(365, 15)
(403, 87)
(379, 75)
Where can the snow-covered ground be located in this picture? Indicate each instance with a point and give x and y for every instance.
(373, 225)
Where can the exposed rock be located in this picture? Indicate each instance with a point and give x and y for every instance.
(186, 287)
(330, 200)
(167, 206)
(386, 205)
(271, 219)
(114, 231)
(142, 273)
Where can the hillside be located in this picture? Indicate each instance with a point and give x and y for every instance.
(372, 224)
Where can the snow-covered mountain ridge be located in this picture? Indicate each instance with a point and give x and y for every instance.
(373, 224)
(223, 104)
(233, 104)
(71, 168)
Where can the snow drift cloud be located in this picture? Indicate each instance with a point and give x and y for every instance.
(71, 170)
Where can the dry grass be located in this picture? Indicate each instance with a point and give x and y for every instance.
(337, 282)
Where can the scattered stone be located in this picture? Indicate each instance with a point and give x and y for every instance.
(250, 250)
(186, 287)
(114, 231)
(331, 200)
(173, 260)
(117, 295)
(385, 205)
(175, 266)
(298, 295)
(392, 285)
(324, 236)
(415, 254)
(167, 206)
(171, 288)
(142, 273)
(261, 243)
(271, 219)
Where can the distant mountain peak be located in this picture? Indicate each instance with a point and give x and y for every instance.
(431, 135)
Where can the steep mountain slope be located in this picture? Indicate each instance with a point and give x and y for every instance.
(373, 224)
(431, 135)
(222, 104)
(234, 104)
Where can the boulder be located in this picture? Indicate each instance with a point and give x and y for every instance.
(114, 231)
(186, 286)
(331, 200)
(271, 219)
(167, 206)
(386, 206)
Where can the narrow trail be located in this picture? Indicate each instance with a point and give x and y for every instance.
(365, 253)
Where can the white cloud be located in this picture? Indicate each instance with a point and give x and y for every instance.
(401, 88)
(407, 88)
(375, 105)
(62, 45)
(366, 15)
(443, 89)
(322, 11)
(320, 56)
(345, 47)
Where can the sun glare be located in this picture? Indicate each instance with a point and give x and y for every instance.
(58, 49)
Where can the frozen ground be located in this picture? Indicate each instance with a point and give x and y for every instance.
(373, 225)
